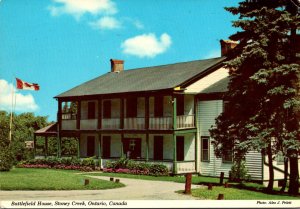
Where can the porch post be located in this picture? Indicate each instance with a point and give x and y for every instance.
(196, 153)
(59, 128)
(122, 113)
(100, 113)
(34, 145)
(174, 134)
(99, 149)
(99, 146)
(78, 147)
(46, 146)
(174, 154)
(147, 146)
(174, 113)
(196, 134)
(78, 114)
(122, 139)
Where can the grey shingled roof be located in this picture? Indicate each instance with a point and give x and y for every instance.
(220, 86)
(143, 79)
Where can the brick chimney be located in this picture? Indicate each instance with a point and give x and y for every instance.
(226, 46)
(117, 65)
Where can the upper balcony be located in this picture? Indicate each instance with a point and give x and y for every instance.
(141, 113)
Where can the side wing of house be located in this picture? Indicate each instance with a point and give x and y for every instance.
(210, 165)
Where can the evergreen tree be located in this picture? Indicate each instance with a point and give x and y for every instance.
(263, 96)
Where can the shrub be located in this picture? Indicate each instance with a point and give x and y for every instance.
(139, 168)
(158, 170)
(88, 162)
(239, 171)
(6, 158)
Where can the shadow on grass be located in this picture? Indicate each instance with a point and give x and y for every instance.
(250, 186)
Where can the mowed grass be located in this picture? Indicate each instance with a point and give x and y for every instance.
(180, 179)
(237, 191)
(50, 179)
(238, 194)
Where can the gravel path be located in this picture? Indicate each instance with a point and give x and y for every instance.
(135, 189)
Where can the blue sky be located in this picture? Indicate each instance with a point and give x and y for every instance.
(60, 44)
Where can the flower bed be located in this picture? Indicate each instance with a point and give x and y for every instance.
(124, 165)
(88, 164)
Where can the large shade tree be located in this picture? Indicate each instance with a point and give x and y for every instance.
(263, 96)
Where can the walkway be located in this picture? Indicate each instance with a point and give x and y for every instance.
(134, 190)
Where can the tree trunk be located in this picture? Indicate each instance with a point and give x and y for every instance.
(294, 175)
(286, 170)
(271, 170)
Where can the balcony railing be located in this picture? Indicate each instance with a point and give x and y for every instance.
(161, 123)
(155, 123)
(134, 123)
(185, 121)
(68, 116)
(111, 123)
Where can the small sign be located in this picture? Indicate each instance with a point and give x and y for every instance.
(29, 144)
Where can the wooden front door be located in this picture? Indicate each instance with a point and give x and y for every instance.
(158, 148)
(90, 146)
(132, 148)
(180, 148)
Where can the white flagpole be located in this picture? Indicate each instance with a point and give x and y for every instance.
(11, 112)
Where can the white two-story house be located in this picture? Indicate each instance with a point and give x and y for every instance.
(156, 114)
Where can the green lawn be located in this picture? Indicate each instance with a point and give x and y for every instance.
(49, 179)
(181, 179)
(237, 191)
(238, 194)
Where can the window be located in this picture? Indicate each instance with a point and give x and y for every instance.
(131, 107)
(90, 146)
(180, 104)
(91, 110)
(280, 158)
(228, 156)
(106, 146)
(158, 148)
(107, 109)
(158, 106)
(132, 148)
(205, 148)
(180, 148)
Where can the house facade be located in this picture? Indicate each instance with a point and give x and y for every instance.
(159, 114)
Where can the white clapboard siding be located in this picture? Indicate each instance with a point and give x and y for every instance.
(207, 112)
(254, 165)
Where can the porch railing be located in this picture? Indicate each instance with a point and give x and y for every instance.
(111, 123)
(68, 116)
(161, 123)
(185, 121)
(134, 123)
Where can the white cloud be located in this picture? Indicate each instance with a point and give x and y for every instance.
(106, 23)
(23, 102)
(77, 8)
(138, 24)
(146, 45)
(213, 54)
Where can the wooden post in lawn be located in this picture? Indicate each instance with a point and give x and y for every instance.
(221, 197)
(209, 187)
(188, 183)
(221, 178)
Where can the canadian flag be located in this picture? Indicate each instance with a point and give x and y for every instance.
(27, 86)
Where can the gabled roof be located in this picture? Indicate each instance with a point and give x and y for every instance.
(143, 79)
(50, 130)
(218, 87)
